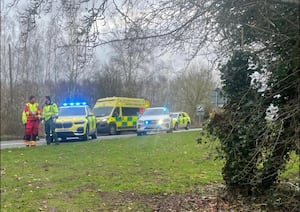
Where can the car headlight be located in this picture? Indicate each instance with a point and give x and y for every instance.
(79, 122)
(104, 120)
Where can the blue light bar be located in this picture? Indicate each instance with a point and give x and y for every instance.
(74, 104)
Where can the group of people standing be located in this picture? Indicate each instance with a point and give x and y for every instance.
(33, 114)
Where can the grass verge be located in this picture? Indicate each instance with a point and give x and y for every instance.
(76, 176)
(159, 171)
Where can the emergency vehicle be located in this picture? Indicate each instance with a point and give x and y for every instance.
(75, 120)
(181, 120)
(155, 119)
(116, 114)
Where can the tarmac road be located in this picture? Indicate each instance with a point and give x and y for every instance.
(20, 143)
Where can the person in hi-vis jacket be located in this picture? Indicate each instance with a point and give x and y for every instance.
(32, 113)
(50, 113)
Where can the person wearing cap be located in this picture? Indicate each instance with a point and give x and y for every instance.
(31, 119)
(50, 113)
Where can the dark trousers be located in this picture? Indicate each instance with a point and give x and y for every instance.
(50, 131)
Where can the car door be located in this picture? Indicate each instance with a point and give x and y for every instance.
(91, 120)
(184, 120)
(187, 117)
(117, 118)
(180, 120)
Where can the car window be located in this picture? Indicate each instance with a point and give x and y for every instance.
(102, 111)
(156, 111)
(174, 115)
(72, 111)
(129, 111)
(90, 112)
(116, 112)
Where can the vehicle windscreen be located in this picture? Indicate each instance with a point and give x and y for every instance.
(72, 111)
(156, 111)
(174, 115)
(102, 111)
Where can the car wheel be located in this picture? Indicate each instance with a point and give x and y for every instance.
(141, 133)
(187, 126)
(94, 136)
(176, 126)
(170, 130)
(63, 139)
(85, 137)
(112, 129)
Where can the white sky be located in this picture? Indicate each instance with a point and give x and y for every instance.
(175, 60)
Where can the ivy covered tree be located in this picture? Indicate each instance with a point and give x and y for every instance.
(255, 150)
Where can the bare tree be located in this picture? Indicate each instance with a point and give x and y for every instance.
(192, 87)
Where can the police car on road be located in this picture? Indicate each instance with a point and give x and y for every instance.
(153, 120)
(181, 120)
(75, 120)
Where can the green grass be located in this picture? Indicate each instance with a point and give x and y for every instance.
(71, 175)
(98, 175)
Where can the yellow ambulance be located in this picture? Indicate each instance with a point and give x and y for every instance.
(116, 114)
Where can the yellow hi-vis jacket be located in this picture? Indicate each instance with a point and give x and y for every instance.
(32, 112)
(50, 111)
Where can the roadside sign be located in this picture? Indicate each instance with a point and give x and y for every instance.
(200, 110)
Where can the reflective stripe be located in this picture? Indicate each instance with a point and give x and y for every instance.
(127, 121)
(32, 108)
(29, 109)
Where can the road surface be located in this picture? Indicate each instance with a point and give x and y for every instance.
(20, 143)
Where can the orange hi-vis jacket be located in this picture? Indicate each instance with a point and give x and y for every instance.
(32, 111)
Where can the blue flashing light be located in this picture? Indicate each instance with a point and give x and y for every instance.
(165, 109)
(146, 122)
(74, 104)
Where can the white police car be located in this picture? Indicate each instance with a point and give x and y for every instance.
(154, 119)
